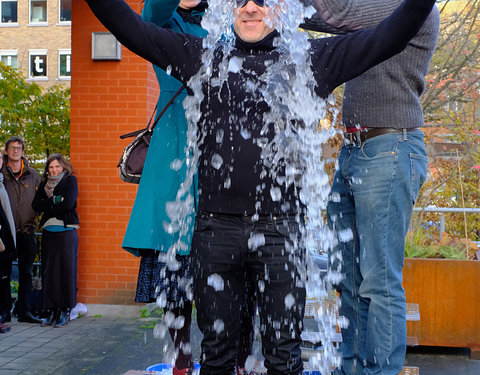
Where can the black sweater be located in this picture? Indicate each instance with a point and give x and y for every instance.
(67, 187)
(237, 185)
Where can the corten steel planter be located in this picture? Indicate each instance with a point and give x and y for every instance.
(448, 294)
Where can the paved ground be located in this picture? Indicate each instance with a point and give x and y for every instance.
(113, 346)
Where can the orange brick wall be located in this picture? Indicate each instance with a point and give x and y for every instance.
(108, 99)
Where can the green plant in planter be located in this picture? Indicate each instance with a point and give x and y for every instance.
(419, 245)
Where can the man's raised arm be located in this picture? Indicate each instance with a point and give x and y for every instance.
(359, 51)
(350, 15)
(160, 46)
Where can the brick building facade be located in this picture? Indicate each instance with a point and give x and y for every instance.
(35, 38)
(109, 98)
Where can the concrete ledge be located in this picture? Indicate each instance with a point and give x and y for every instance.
(115, 311)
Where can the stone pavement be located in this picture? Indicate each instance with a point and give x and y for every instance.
(95, 345)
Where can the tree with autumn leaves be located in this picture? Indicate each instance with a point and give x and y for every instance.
(40, 117)
(451, 105)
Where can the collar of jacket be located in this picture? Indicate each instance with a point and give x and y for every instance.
(266, 44)
(25, 167)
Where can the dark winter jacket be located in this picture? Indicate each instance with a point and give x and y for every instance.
(65, 210)
(21, 191)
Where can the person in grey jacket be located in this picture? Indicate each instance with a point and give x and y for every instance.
(382, 166)
(7, 253)
(21, 182)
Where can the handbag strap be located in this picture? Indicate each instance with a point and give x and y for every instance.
(150, 128)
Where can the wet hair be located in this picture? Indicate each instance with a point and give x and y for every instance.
(14, 139)
(67, 166)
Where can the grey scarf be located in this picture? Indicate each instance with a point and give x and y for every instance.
(52, 181)
(5, 202)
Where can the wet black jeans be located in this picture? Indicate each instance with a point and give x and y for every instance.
(230, 252)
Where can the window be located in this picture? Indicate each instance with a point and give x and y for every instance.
(65, 10)
(38, 11)
(8, 11)
(64, 63)
(9, 58)
(38, 64)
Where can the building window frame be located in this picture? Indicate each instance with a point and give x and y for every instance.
(38, 22)
(8, 24)
(9, 53)
(37, 52)
(64, 21)
(68, 54)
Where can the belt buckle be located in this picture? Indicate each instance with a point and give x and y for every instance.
(353, 139)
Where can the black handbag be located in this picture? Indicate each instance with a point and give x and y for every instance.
(133, 157)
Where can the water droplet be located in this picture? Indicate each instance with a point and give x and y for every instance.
(218, 326)
(216, 282)
(176, 164)
(255, 241)
(219, 135)
(246, 134)
(261, 286)
(289, 301)
(216, 161)
(345, 235)
(275, 193)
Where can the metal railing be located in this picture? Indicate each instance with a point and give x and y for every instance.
(444, 210)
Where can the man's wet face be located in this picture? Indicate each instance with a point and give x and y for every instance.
(249, 21)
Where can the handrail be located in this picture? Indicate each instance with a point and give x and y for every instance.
(447, 209)
(443, 210)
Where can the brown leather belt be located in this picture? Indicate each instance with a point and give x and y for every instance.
(358, 138)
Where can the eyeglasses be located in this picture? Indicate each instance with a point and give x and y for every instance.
(14, 148)
(242, 3)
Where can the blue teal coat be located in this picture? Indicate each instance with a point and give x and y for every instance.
(159, 183)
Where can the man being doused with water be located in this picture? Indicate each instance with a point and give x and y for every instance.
(249, 219)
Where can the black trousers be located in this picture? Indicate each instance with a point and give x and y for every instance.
(5, 292)
(59, 269)
(230, 252)
(26, 250)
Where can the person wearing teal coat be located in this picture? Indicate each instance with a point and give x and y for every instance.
(145, 235)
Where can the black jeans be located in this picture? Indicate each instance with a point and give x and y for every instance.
(230, 252)
(26, 249)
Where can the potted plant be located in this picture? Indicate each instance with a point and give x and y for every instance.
(442, 276)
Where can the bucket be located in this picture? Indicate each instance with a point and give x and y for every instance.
(166, 368)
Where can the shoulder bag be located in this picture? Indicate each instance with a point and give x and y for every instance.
(133, 157)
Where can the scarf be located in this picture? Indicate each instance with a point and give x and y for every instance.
(5, 202)
(193, 15)
(52, 182)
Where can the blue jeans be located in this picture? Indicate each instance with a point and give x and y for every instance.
(370, 207)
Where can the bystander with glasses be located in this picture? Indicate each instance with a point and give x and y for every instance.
(21, 182)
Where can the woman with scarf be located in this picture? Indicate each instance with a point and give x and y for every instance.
(56, 199)
(7, 254)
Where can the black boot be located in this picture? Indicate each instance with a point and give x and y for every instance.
(5, 317)
(52, 317)
(63, 318)
(27, 317)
